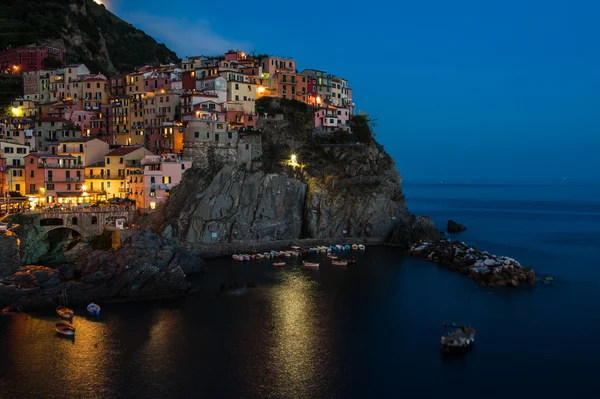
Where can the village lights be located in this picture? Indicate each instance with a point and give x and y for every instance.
(84, 188)
(261, 90)
(16, 111)
(318, 99)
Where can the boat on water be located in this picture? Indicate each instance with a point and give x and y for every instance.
(347, 247)
(93, 309)
(457, 340)
(237, 258)
(361, 247)
(65, 329)
(333, 257)
(339, 263)
(279, 264)
(354, 247)
(65, 312)
(310, 264)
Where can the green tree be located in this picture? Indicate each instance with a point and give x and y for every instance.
(363, 127)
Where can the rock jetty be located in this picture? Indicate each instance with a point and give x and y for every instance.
(483, 267)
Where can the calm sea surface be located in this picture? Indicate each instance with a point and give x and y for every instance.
(369, 330)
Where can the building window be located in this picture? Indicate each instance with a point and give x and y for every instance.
(196, 134)
(108, 161)
(152, 180)
(94, 220)
(182, 166)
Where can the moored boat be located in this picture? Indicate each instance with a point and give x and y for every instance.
(361, 247)
(65, 329)
(354, 247)
(310, 264)
(347, 247)
(332, 257)
(246, 257)
(93, 309)
(339, 263)
(279, 264)
(237, 258)
(457, 341)
(65, 312)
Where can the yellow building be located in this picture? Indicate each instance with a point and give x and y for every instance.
(95, 92)
(111, 174)
(243, 93)
(23, 108)
(136, 120)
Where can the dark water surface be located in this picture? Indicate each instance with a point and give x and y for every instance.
(369, 330)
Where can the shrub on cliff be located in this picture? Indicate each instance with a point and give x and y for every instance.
(362, 127)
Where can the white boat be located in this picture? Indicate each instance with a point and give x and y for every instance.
(93, 309)
(354, 247)
(246, 257)
(287, 254)
(65, 329)
(339, 263)
(296, 248)
(238, 258)
(65, 312)
(339, 247)
(279, 264)
(310, 264)
(361, 247)
(333, 257)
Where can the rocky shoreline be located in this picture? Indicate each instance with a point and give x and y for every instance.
(483, 267)
(145, 266)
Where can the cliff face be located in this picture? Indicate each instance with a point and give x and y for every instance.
(341, 189)
(90, 33)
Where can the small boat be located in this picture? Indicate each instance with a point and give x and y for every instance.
(246, 257)
(238, 258)
(347, 247)
(332, 257)
(296, 248)
(65, 312)
(339, 263)
(354, 247)
(361, 247)
(279, 264)
(457, 341)
(339, 247)
(310, 264)
(287, 254)
(93, 309)
(65, 329)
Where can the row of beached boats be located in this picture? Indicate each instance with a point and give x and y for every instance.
(296, 252)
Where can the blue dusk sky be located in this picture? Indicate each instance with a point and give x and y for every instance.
(461, 90)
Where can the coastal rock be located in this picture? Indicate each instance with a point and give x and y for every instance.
(454, 227)
(487, 269)
(145, 266)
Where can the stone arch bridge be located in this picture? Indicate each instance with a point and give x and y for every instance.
(87, 222)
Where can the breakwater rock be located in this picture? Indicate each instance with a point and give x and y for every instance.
(485, 268)
(145, 266)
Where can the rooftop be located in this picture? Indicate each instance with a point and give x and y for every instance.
(123, 151)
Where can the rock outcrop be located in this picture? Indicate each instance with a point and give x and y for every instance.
(146, 266)
(335, 191)
(454, 227)
(485, 268)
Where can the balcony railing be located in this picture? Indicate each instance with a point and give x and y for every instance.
(58, 166)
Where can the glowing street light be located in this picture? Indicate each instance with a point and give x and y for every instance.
(261, 90)
(318, 99)
(84, 188)
(16, 111)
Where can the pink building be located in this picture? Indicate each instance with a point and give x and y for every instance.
(332, 119)
(165, 139)
(273, 65)
(235, 56)
(55, 178)
(17, 60)
(151, 185)
(158, 81)
(72, 112)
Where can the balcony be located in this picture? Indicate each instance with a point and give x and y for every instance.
(58, 166)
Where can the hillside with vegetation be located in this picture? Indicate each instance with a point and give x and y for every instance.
(88, 31)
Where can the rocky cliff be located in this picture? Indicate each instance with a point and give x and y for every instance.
(343, 186)
(145, 266)
(88, 31)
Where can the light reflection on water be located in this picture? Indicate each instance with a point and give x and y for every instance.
(296, 338)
